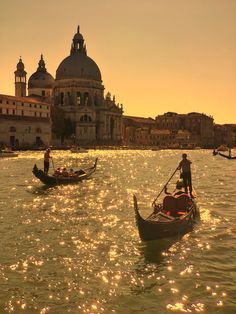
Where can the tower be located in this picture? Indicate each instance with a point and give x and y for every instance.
(20, 79)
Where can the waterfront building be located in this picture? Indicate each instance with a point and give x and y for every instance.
(79, 94)
(24, 121)
(199, 125)
(225, 135)
(137, 131)
(75, 100)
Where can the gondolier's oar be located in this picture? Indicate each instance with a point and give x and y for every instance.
(153, 203)
(53, 164)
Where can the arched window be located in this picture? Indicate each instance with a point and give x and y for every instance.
(85, 118)
(38, 130)
(12, 129)
(78, 98)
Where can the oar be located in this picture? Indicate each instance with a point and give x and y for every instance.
(153, 203)
(53, 164)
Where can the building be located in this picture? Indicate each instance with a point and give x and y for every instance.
(24, 121)
(137, 131)
(79, 94)
(74, 100)
(199, 125)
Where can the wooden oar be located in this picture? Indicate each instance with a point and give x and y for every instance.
(153, 203)
(53, 164)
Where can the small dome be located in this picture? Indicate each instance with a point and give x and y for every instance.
(41, 78)
(78, 66)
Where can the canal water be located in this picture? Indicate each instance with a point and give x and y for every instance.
(76, 248)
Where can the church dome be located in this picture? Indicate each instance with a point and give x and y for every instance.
(41, 78)
(78, 64)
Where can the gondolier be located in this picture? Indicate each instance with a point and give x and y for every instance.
(184, 166)
(46, 160)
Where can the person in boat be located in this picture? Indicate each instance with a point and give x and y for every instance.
(72, 173)
(47, 157)
(64, 172)
(57, 171)
(178, 189)
(185, 167)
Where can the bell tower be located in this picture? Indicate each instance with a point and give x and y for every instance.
(20, 79)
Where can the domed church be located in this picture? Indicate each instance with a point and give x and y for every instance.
(78, 92)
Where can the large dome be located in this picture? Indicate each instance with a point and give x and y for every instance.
(78, 66)
(41, 78)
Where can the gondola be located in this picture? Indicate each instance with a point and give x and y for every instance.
(79, 175)
(160, 225)
(227, 156)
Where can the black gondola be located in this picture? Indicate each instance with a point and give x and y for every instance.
(159, 225)
(60, 179)
(227, 156)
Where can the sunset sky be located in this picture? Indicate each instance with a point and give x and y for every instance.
(154, 55)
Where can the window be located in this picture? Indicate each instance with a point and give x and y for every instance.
(85, 118)
(22, 112)
(62, 98)
(12, 129)
(78, 98)
(43, 93)
(7, 111)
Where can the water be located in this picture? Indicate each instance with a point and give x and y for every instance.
(76, 248)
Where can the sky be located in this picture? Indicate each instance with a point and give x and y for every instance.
(155, 56)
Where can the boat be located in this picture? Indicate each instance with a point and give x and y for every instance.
(78, 150)
(7, 153)
(163, 223)
(57, 179)
(222, 148)
(227, 156)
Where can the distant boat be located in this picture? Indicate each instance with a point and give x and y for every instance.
(78, 150)
(222, 148)
(57, 179)
(7, 153)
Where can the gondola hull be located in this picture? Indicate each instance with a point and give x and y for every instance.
(159, 226)
(57, 180)
(227, 156)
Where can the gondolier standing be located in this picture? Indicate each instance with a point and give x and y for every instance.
(46, 160)
(184, 166)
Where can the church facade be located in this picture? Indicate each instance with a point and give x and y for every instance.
(70, 109)
(79, 92)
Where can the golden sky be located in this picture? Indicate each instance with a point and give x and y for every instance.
(154, 55)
